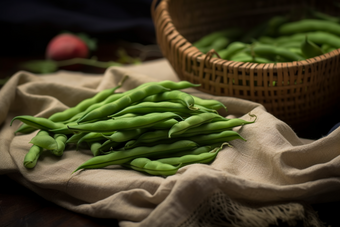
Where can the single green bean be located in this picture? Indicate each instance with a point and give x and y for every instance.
(204, 157)
(214, 138)
(143, 121)
(173, 96)
(151, 167)
(193, 121)
(32, 156)
(309, 25)
(232, 49)
(94, 147)
(165, 106)
(76, 137)
(60, 140)
(209, 103)
(125, 135)
(42, 123)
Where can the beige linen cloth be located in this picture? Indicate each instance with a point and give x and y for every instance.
(257, 182)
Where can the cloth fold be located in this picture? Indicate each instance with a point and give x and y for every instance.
(273, 169)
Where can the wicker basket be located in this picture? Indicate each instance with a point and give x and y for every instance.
(178, 23)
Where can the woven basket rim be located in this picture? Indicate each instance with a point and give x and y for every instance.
(209, 59)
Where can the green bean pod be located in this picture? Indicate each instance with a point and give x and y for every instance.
(173, 96)
(165, 106)
(108, 146)
(232, 49)
(309, 25)
(44, 140)
(94, 148)
(120, 157)
(91, 137)
(60, 140)
(123, 136)
(164, 124)
(270, 51)
(143, 121)
(42, 123)
(193, 121)
(209, 103)
(33, 154)
(111, 108)
(208, 39)
(205, 157)
(152, 167)
(76, 137)
(214, 138)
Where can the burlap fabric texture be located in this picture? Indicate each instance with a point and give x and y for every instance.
(259, 182)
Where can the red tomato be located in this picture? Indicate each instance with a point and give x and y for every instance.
(66, 46)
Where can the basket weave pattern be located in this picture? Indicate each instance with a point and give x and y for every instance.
(294, 92)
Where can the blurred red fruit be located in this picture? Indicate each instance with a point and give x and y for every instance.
(66, 46)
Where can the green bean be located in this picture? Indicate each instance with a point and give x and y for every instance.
(152, 167)
(199, 150)
(232, 49)
(180, 85)
(108, 146)
(31, 158)
(143, 121)
(204, 157)
(209, 38)
(33, 154)
(173, 96)
(246, 57)
(92, 137)
(164, 124)
(25, 129)
(214, 138)
(111, 108)
(209, 103)
(193, 121)
(217, 45)
(76, 137)
(165, 106)
(42, 123)
(125, 115)
(310, 49)
(120, 157)
(44, 140)
(324, 16)
(271, 51)
(309, 25)
(326, 48)
(123, 136)
(60, 140)
(94, 147)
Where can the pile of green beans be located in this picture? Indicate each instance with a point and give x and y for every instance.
(155, 128)
(279, 39)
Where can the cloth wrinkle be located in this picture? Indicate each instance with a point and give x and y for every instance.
(273, 169)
